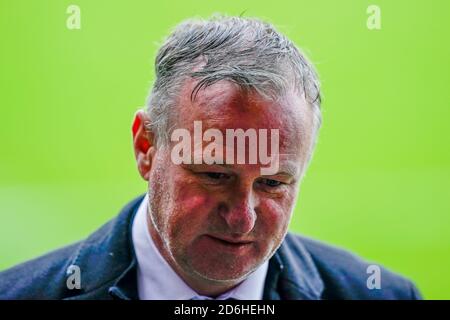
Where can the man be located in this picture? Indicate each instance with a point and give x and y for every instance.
(213, 223)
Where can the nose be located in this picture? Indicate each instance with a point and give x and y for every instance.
(239, 213)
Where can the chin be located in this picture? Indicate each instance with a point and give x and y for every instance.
(222, 277)
(223, 271)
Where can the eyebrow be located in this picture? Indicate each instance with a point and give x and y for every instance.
(288, 168)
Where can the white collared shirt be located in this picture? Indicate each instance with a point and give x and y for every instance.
(156, 280)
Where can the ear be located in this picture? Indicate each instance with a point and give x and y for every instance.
(142, 144)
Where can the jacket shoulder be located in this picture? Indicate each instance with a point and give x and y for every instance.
(347, 276)
(101, 258)
(41, 278)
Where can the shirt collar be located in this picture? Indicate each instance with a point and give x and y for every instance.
(157, 280)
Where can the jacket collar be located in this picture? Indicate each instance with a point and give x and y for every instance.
(108, 264)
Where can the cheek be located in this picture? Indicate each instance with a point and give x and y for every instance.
(275, 217)
(192, 201)
(189, 197)
(191, 211)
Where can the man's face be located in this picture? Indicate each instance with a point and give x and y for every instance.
(220, 222)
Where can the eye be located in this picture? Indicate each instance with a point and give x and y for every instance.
(271, 183)
(216, 175)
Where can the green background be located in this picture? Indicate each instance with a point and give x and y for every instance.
(379, 181)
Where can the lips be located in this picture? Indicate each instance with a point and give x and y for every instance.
(230, 241)
(223, 246)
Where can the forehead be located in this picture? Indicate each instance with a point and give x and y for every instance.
(224, 105)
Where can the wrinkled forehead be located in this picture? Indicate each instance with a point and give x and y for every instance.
(224, 105)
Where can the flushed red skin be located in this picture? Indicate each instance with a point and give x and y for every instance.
(214, 232)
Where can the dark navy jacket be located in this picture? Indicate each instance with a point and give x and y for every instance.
(300, 269)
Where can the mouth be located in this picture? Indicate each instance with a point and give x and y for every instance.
(229, 242)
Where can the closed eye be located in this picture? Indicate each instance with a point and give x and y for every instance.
(216, 175)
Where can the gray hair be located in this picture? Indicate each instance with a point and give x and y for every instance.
(245, 51)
